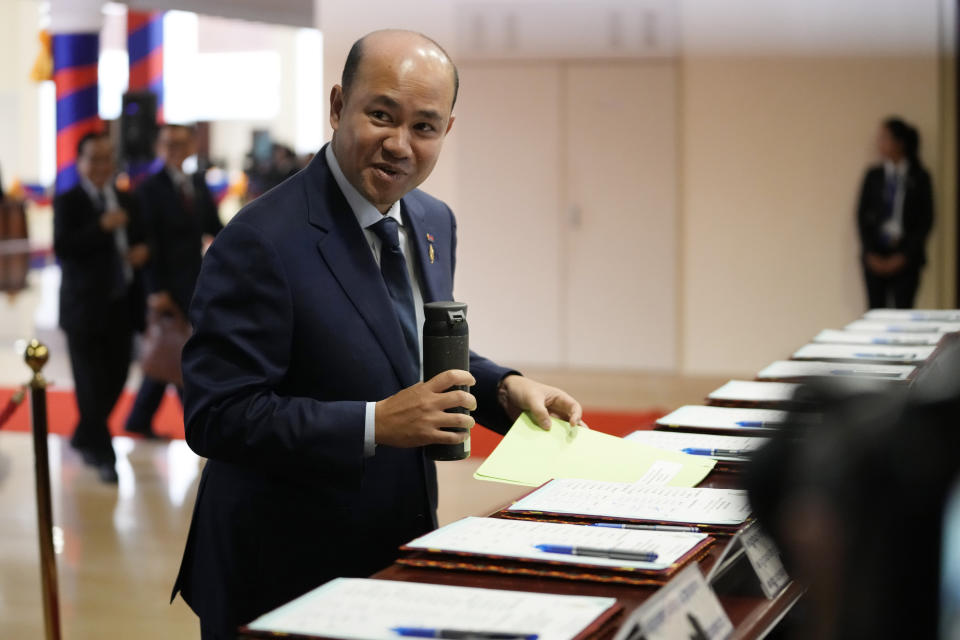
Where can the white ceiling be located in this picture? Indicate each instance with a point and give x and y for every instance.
(296, 13)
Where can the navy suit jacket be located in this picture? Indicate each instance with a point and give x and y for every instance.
(917, 215)
(294, 333)
(176, 233)
(89, 262)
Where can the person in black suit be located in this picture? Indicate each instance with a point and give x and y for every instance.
(303, 378)
(181, 218)
(894, 217)
(99, 239)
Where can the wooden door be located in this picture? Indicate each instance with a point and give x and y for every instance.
(620, 235)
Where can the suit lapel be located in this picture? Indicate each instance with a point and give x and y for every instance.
(422, 242)
(345, 250)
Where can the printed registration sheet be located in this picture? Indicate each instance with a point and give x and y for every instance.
(624, 501)
(837, 336)
(364, 609)
(724, 418)
(678, 441)
(519, 539)
(864, 352)
(816, 369)
(914, 315)
(753, 391)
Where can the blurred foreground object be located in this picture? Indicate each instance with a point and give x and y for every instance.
(856, 502)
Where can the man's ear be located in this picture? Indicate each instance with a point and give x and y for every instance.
(336, 106)
(450, 124)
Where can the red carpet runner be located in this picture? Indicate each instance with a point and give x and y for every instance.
(62, 416)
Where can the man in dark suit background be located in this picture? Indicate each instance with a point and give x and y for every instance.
(302, 378)
(181, 218)
(99, 239)
(894, 217)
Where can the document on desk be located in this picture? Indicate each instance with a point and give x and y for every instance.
(726, 418)
(519, 539)
(678, 441)
(836, 336)
(625, 501)
(855, 353)
(799, 369)
(914, 315)
(530, 456)
(366, 609)
(903, 327)
(752, 391)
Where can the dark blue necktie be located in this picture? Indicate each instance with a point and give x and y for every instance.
(889, 207)
(393, 267)
(119, 285)
(890, 195)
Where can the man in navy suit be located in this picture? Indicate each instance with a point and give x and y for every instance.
(99, 239)
(302, 378)
(894, 218)
(181, 216)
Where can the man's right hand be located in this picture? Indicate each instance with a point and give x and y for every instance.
(162, 302)
(113, 219)
(415, 416)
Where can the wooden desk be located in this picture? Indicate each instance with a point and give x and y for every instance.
(752, 616)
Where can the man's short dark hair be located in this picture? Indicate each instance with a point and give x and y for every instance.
(906, 136)
(355, 57)
(90, 137)
(173, 126)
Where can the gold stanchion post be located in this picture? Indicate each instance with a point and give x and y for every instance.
(36, 357)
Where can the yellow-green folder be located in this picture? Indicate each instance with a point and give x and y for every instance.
(530, 456)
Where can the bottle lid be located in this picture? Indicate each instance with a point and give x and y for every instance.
(447, 311)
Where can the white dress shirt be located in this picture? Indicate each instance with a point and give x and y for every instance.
(893, 228)
(367, 216)
(181, 181)
(110, 202)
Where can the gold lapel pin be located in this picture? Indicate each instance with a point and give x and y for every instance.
(430, 252)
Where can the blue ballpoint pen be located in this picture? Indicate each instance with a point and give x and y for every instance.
(616, 554)
(865, 374)
(461, 634)
(757, 424)
(723, 453)
(891, 356)
(647, 527)
(893, 341)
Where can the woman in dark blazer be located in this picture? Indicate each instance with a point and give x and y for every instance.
(894, 216)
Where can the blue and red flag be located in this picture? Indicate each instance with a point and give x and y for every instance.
(75, 58)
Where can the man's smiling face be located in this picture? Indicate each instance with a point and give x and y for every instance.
(390, 124)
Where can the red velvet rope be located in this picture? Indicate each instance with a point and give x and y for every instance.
(15, 401)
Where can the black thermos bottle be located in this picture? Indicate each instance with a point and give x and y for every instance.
(446, 346)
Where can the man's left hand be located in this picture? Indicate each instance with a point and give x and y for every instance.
(519, 394)
(895, 263)
(138, 255)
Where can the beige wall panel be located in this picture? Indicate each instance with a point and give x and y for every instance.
(507, 159)
(773, 154)
(620, 256)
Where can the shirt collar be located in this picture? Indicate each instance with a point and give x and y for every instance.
(178, 177)
(91, 189)
(367, 214)
(895, 168)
